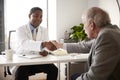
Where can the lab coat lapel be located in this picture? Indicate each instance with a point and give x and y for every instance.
(29, 33)
(39, 33)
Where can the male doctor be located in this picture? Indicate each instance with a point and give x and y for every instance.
(32, 42)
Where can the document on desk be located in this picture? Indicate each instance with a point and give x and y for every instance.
(58, 52)
(79, 55)
(31, 56)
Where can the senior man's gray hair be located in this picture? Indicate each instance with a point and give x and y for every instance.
(98, 16)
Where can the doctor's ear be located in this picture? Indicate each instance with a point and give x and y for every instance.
(29, 15)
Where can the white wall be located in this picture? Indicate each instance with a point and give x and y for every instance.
(93, 3)
(52, 19)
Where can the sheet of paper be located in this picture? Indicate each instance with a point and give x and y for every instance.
(31, 56)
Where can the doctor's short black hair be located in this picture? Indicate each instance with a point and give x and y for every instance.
(35, 9)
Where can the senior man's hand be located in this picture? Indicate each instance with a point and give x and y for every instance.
(57, 44)
(49, 45)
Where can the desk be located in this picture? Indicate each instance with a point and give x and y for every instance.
(17, 61)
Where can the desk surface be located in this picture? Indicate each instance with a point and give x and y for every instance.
(17, 60)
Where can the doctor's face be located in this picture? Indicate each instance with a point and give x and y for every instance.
(35, 18)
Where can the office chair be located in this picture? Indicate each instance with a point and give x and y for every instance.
(6, 68)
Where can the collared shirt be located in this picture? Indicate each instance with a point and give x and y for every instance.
(32, 28)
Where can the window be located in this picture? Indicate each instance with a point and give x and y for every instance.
(16, 12)
(2, 41)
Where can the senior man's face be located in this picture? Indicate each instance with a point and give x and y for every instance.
(88, 27)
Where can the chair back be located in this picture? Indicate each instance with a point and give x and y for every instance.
(12, 39)
(11, 45)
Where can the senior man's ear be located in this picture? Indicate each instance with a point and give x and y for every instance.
(93, 26)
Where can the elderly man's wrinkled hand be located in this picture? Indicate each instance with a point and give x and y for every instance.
(49, 45)
(57, 44)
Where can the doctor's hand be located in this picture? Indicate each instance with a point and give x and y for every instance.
(49, 45)
(43, 53)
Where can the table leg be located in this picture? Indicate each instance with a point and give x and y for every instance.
(58, 64)
(68, 73)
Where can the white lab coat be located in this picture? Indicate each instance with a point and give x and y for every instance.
(25, 42)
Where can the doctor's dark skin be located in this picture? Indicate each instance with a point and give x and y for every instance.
(35, 18)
